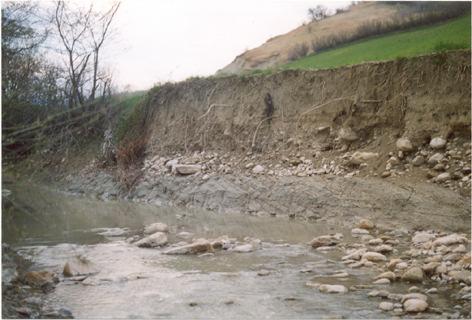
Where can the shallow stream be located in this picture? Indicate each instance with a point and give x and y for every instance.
(50, 228)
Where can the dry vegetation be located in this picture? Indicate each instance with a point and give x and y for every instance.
(345, 26)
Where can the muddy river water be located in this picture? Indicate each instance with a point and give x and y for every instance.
(49, 228)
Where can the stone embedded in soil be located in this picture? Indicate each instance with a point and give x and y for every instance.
(437, 143)
(415, 305)
(156, 227)
(386, 306)
(359, 231)
(374, 257)
(348, 135)
(258, 169)
(332, 288)
(404, 144)
(187, 169)
(418, 161)
(443, 177)
(359, 157)
(366, 224)
(413, 274)
(435, 158)
(383, 248)
(154, 240)
(460, 249)
(375, 242)
(422, 236)
(386, 174)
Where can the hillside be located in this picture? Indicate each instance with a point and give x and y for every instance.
(360, 21)
(454, 34)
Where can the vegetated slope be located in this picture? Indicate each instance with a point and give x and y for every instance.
(360, 21)
(454, 34)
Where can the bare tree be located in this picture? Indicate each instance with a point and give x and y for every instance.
(99, 31)
(317, 13)
(72, 26)
(83, 33)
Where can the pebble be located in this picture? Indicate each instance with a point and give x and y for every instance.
(422, 236)
(155, 240)
(413, 274)
(332, 288)
(437, 143)
(413, 289)
(386, 306)
(258, 169)
(393, 263)
(414, 295)
(404, 144)
(443, 177)
(432, 291)
(243, 248)
(374, 257)
(435, 158)
(418, 161)
(415, 305)
(375, 242)
(402, 265)
(449, 240)
(156, 227)
(359, 231)
(387, 275)
(366, 224)
(263, 273)
(384, 248)
(382, 281)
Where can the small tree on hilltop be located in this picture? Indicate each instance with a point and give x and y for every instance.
(317, 13)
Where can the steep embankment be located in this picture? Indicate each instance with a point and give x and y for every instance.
(324, 116)
(306, 144)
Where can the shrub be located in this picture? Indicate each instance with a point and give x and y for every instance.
(298, 51)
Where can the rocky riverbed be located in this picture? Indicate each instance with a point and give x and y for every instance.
(123, 259)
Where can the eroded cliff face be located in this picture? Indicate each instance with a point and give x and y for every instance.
(365, 107)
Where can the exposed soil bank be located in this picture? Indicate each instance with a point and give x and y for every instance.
(288, 144)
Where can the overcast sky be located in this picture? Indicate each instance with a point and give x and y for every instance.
(171, 40)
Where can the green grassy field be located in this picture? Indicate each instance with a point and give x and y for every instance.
(454, 34)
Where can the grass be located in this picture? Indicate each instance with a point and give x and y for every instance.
(451, 35)
(128, 113)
